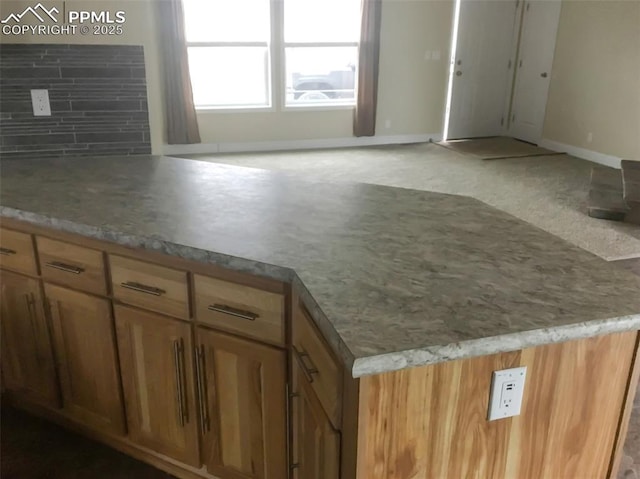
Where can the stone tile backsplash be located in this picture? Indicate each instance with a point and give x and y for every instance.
(98, 98)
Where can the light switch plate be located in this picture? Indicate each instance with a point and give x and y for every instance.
(40, 103)
(507, 390)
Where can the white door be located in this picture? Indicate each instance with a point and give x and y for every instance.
(533, 75)
(480, 80)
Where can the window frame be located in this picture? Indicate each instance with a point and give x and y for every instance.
(268, 77)
(276, 77)
(310, 106)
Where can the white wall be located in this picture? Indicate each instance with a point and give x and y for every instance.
(595, 86)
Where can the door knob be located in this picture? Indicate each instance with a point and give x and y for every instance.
(543, 74)
(458, 73)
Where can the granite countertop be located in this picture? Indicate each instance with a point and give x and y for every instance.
(393, 277)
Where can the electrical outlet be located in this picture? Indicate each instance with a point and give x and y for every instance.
(387, 123)
(507, 390)
(40, 103)
(589, 137)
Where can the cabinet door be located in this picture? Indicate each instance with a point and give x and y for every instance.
(28, 367)
(157, 377)
(316, 445)
(84, 340)
(242, 388)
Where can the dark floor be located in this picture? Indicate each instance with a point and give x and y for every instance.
(32, 448)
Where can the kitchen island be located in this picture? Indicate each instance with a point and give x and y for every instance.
(417, 297)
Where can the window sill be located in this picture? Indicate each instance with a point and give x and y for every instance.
(240, 109)
(268, 109)
(290, 108)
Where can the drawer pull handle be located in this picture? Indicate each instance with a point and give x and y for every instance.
(238, 313)
(141, 288)
(64, 267)
(179, 372)
(308, 371)
(7, 251)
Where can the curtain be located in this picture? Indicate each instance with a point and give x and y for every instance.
(180, 111)
(364, 122)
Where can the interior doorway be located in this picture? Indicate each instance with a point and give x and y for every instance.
(539, 29)
(500, 68)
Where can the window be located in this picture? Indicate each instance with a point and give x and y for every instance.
(228, 44)
(321, 51)
(234, 62)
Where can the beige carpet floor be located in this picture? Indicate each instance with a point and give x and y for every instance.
(547, 191)
(495, 148)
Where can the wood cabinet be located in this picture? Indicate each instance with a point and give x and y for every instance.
(316, 445)
(16, 252)
(28, 367)
(316, 402)
(85, 349)
(150, 286)
(157, 378)
(241, 385)
(317, 361)
(239, 309)
(72, 265)
(204, 378)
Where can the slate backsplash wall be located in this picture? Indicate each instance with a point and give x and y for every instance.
(98, 97)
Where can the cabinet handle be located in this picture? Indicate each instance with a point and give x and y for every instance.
(141, 288)
(177, 362)
(7, 251)
(202, 389)
(238, 313)
(308, 371)
(64, 267)
(31, 303)
(29, 299)
(290, 397)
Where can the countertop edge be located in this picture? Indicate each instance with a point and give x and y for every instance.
(385, 363)
(159, 245)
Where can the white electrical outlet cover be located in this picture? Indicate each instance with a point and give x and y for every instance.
(507, 389)
(40, 103)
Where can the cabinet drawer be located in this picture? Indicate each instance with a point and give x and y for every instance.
(16, 252)
(240, 309)
(318, 365)
(150, 286)
(72, 265)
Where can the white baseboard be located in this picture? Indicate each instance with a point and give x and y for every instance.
(601, 158)
(205, 148)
